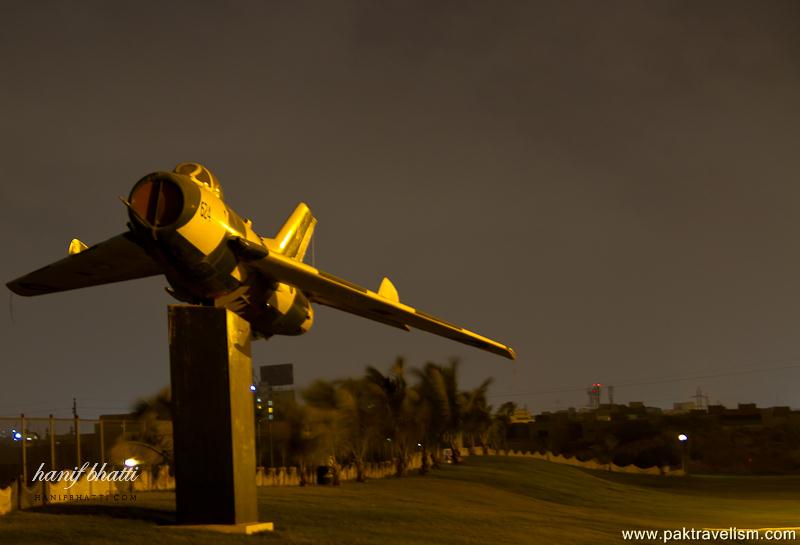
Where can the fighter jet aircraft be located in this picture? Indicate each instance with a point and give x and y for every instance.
(181, 227)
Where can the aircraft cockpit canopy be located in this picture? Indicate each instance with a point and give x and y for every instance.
(200, 175)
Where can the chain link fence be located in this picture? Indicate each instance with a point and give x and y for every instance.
(28, 444)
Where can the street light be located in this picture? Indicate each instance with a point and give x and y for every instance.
(684, 441)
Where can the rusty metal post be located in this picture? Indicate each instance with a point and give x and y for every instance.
(102, 445)
(77, 424)
(52, 444)
(24, 440)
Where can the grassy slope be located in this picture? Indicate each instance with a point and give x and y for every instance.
(488, 500)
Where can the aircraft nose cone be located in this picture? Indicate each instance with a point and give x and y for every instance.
(157, 200)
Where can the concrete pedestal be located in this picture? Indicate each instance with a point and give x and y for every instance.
(213, 420)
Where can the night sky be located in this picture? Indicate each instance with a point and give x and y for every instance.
(609, 188)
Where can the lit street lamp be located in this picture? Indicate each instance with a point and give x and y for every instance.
(684, 441)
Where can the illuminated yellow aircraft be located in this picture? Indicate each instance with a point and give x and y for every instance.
(181, 227)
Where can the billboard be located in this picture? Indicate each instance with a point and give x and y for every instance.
(278, 375)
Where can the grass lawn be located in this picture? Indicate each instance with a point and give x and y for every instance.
(491, 500)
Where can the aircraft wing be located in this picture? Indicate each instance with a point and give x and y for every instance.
(114, 260)
(384, 306)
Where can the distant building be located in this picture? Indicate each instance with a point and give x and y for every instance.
(277, 382)
(577, 429)
(745, 414)
(521, 416)
(682, 407)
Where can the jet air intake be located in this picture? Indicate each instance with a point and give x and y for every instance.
(157, 200)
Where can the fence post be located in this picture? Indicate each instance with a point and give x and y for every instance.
(271, 455)
(102, 445)
(52, 444)
(77, 423)
(24, 452)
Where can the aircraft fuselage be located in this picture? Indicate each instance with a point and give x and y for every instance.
(187, 228)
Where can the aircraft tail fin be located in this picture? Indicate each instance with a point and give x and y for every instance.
(296, 233)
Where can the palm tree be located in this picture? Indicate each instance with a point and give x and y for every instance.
(359, 400)
(500, 424)
(476, 416)
(397, 402)
(423, 410)
(304, 439)
(434, 405)
(154, 426)
(454, 424)
(350, 411)
(158, 406)
(325, 415)
(439, 385)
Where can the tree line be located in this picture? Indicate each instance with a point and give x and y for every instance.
(378, 417)
(390, 415)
